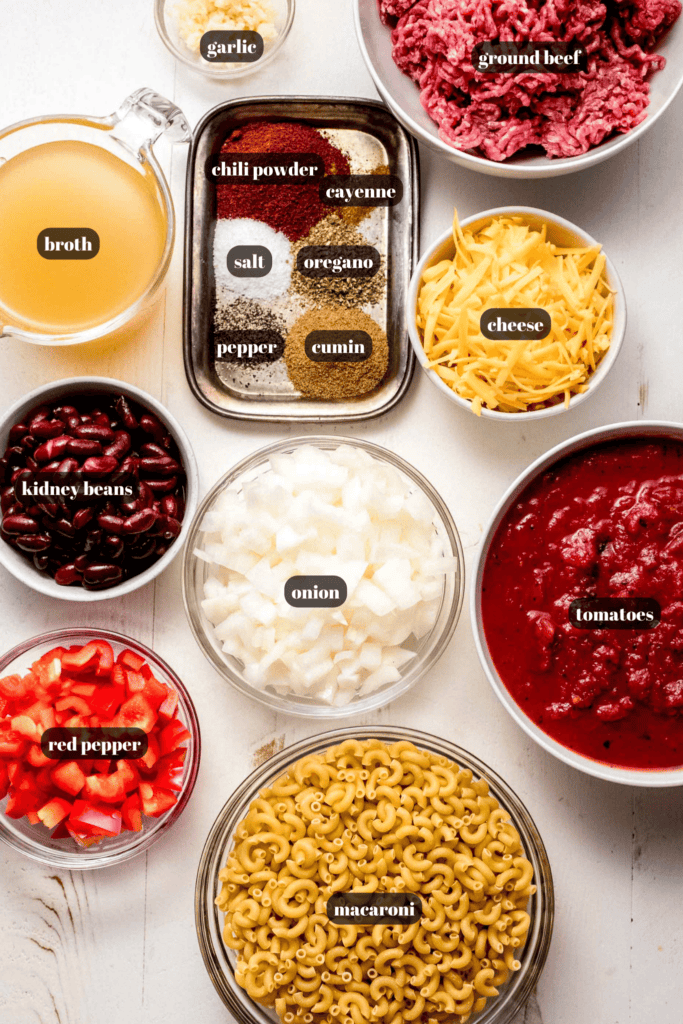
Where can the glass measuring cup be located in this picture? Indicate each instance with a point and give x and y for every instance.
(48, 152)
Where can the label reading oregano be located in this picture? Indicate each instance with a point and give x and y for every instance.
(341, 261)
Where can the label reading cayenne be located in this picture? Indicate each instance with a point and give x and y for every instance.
(615, 613)
(373, 908)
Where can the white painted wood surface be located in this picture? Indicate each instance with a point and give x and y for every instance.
(120, 945)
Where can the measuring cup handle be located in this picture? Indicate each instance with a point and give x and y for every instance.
(144, 116)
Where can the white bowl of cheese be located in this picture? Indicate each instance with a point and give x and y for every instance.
(517, 379)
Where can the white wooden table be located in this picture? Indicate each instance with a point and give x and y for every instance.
(119, 945)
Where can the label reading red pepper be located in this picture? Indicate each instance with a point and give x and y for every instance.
(77, 744)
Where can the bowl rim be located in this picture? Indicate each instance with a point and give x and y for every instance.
(425, 660)
(643, 777)
(603, 368)
(139, 842)
(213, 71)
(248, 1012)
(551, 168)
(43, 584)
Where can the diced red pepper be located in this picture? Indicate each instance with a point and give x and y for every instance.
(103, 767)
(61, 832)
(33, 817)
(147, 762)
(13, 687)
(4, 780)
(75, 703)
(169, 706)
(169, 772)
(172, 735)
(128, 775)
(155, 802)
(131, 660)
(21, 802)
(107, 789)
(97, 655)
(84, 839)
(107, 700)
(12, 744)
(85, 690)
(48, 668)
(36, 758)
(101, 821)
(131, 813)
(55, 811)
(70, 777)
(136, 713)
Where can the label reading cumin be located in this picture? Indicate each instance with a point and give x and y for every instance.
(338, 346)
(615, 613)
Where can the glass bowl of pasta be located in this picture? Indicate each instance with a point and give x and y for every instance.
(337, 517)
(374, 810)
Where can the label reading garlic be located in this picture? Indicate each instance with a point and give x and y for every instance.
(231, 46)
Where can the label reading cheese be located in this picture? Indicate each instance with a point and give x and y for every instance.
(515, 324)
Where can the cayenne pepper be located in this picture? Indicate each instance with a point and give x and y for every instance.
(292, 207)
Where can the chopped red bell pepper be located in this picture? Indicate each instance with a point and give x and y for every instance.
(92, 820)
(131, 660)
(55, 811)
(132, 814)
(172, 735)
(69, 776)
(155, 802)
(136, 713)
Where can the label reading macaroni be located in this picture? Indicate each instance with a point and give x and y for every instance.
(615, 613)
(373, 908)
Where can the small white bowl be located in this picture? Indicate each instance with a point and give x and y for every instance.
(561, 232)
(21, 567)
(402, 96)
(636, 429)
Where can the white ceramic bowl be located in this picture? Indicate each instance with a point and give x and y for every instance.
(21, 567)
(402, 96)
(560, 231)
(663, 777)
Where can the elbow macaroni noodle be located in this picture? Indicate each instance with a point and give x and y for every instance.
(363, 817)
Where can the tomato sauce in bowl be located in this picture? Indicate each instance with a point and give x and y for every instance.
(606, 522)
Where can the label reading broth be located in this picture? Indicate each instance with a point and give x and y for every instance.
(68, 243)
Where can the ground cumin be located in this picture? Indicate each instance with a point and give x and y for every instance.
(335, 380)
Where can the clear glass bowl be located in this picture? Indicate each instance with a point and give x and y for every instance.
(167, 28)
(35, 840)
(429, 648)
(220, 962)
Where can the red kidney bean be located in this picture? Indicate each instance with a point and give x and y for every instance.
(73, 422)
(65, 527)
(51, 467)
(49, 508)
(144, 550)
(52, 449)
(4, 470)
(163, 486)
(41, 562)
(112, 524)
(92, 540)
(83, 517)
(153, 450)
(17, 509)
(100, 464)
(164, 466)
(82, 562)
(19, 473)
(19, 524)
(45, 429)
(102, 573)
(169, 505)
(113, 546)
(95, 432)
(67, 574)
(140, 522)
(130, 465)
(6, 498)
(65, 412)
(17, 432)
(34, 541)
(120, 446)
(124, 410)
(84, 447)
(169, 528)
(68, 466)
(151, 425)
(42, 412)
(101, 418)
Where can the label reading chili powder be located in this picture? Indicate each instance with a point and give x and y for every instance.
(231, 47)
(68, 243)
(248, 346)
(264, 168)
(615, 613)
(361, 190)
(342, 261)
(493, 57)
(338, 346)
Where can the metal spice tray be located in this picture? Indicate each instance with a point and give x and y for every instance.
(259, 402)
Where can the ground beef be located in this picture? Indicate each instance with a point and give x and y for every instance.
(497, 115)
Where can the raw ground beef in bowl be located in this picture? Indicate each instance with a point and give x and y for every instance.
(496, 116)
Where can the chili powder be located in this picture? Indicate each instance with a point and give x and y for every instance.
(292, 207)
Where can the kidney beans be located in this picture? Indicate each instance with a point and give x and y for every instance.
(19, 524)
(95, 432)
(84, 446)
(34, 542)
(102, 539)
(67, 574)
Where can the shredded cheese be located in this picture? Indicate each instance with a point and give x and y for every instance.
(507, 264)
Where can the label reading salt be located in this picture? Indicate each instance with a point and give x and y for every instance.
(342, 261)
(248, 346)
(338, 346)
(62, 744)
(250, 261)
(361, 190)
(264, 168)
(315, 591)
(615, 613)
(493, 57)
(373, 908)
(231, 47)
(515, 324)
(68, 243)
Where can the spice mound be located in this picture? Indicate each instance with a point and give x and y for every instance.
(249, 233)
(293, 207)
(605, 523)
(196, 17)
(347, 291)
(340, 512)
(370, 817)
(498, 115)
(335, 379)
(507, 264)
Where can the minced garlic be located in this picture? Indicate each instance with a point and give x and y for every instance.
(195, 17)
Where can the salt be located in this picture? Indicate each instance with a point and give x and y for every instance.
(243, 231)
